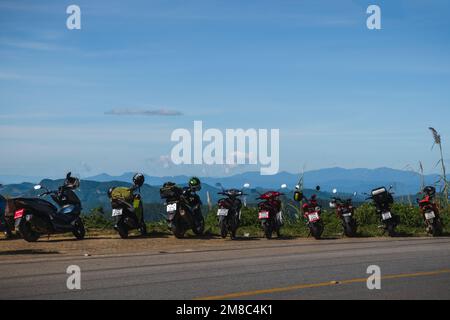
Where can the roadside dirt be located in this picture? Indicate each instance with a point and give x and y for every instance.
(107, 243)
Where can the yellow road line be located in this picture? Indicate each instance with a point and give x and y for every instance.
(321, 284)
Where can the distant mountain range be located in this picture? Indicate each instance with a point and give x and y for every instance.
(345, 180)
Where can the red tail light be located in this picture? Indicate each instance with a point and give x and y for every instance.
(19, 214)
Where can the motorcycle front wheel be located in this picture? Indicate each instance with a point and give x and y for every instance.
(79, 230)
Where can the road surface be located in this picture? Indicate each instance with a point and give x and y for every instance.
(166, 268)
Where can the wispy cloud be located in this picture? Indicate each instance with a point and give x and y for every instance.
(143, 112)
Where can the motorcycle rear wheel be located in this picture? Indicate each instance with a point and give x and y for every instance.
(391, 230)
(436, 228)
(223, 227)
(27, 233)
(316, 231)
(349, 230)
(123, 230)
(177, 231)
(267, 230)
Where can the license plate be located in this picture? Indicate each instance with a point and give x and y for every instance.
(116, 212)
(430, 215)
(313, 217)
(263, 215)
(222, 212)
(171, 207)
(386, 215)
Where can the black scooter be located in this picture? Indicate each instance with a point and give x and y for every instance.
(229, 210)
(34, 216)
(125, 213)
(383, 200)
(5, 225)
(183, 208)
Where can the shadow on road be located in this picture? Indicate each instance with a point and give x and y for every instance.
(27, 251)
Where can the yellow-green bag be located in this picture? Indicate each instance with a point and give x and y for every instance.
(138, 209)
(122, 193)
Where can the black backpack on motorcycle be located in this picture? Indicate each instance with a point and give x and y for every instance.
(170, 191)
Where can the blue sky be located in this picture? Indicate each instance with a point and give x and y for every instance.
(340, 94)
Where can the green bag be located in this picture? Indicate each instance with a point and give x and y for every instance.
(138, 209)
(122, 193)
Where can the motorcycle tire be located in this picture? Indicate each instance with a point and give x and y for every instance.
(27, 233)
(436, 228)
(349, 230)
(267, 230)
(79, 230)
(177, 231)
(391, 230)
(199, 228)
(123, 231)
(143, 229)
(223, 227)
(316, 231)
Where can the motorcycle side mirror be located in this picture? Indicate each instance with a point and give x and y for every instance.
(335, 191)
(318, 188)
(37, 187)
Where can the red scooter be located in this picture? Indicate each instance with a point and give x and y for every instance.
(430, 211)
(269, 212)
(311, 212)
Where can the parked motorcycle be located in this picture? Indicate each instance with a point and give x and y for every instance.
(127, 208)
(269, 212)
(430, 211)
(229, 211)
(383, 200)
(311, 212)
(35, 216)
(5, 225)
(183, 207)
(345, 212)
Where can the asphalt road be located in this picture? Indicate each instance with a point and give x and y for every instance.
(411, 268)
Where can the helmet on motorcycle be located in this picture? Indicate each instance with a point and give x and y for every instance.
(429, 190)
(195, 184)
(138, 179)
(71, 182)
